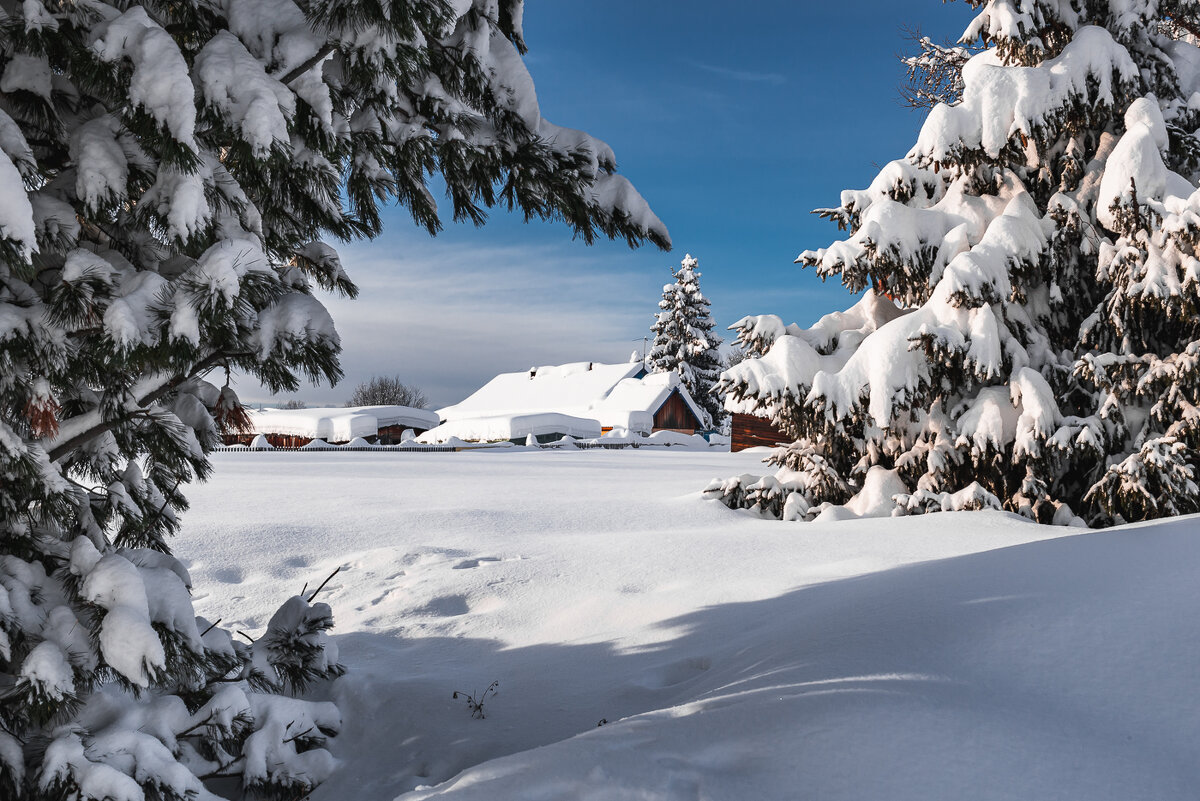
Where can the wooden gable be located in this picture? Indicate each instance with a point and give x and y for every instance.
(676, 415)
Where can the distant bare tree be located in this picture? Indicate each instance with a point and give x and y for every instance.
(293, 403)
(735, 356)
(384, 390)
(934, 72)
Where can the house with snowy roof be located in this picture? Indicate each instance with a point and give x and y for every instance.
(294, 428)
(581, 400)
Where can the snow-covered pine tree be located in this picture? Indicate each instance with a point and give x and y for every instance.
(167, 172)
(1028, 337)
(684, 341)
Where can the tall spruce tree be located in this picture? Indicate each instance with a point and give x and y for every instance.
(684, 341)
(167, 173)
(1028, 338)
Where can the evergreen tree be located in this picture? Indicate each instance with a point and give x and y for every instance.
(1028, 336)
(684, 341)
(167, 173)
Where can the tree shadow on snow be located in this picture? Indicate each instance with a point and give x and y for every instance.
(1083, 633)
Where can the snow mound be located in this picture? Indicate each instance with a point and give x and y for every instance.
(512, 427)
(875, 499)
(674, 438)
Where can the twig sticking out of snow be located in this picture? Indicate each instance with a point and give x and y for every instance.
(323, 583)
(476, 704)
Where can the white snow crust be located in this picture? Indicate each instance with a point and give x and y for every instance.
(959, 655)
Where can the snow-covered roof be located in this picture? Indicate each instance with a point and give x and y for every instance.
(633, 398)
(514, 426)
(613, 394)
(406, 416)
(339, 424)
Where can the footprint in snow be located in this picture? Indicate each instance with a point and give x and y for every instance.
(675, 673)
(446, 606)
(467, 564)
(229, 575)
(390, 595)
(330, 591)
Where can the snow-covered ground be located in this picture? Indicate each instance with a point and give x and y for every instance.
(967, 655)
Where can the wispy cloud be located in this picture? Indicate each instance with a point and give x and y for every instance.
(746, 76)
(449, 317)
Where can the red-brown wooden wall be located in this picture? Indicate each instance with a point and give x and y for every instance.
(675, 415)
(750, 431)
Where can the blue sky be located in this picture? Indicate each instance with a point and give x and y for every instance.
(733, 122)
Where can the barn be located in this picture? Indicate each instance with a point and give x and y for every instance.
(566, 398)
(294, 428)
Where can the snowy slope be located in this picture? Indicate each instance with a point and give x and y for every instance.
(944, 656)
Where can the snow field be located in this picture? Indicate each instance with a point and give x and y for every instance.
(732, 657)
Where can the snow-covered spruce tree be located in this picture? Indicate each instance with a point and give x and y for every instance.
(684, 341)
(1029, 337)
(167, 171)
